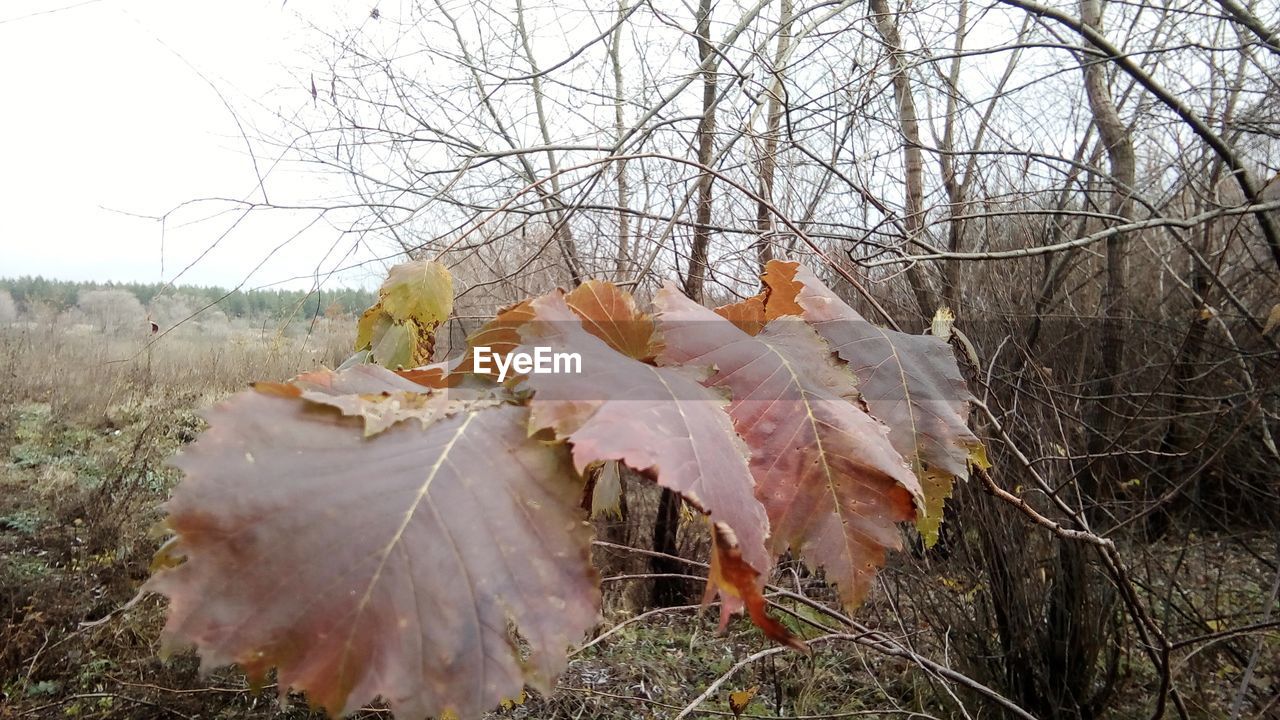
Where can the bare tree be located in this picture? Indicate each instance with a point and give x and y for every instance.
(8, 309)
(112, 311)
(1088, 196)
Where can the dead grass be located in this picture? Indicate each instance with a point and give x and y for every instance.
(87, 421)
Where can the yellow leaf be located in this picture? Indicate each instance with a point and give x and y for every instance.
(943, 319)
(395, 348)
(937, 487)
(978, 457)
(739, 700)
(373, 324)
(421, 290)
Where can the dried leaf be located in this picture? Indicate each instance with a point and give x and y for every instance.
(747, 315)
(612, 315)
(910, 382)
(832, 483)
(421, 291)
(658, 421)
(781, 289)
(382, 398)
(739, 586)
(389, 566)
(738, 701)
(501, 335)
(606, 493)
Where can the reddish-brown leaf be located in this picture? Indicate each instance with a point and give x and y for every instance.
(833, 485)
(659, 421)
(397, 565)
(501, 335)
(910, 382)
(739, 587)
(611, 314)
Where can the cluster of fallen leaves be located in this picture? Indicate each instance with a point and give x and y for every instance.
(420, 534)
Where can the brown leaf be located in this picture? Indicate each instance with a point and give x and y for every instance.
(357, 380)
(436, 375)
(833, 485)
(738, 701)
(391, 566)
(611, 314)
(658, 421)
(382, 398)
(739, 586)
(748, 314)
(910, 382)
(606, 491)
(501, 335)
(781, 289)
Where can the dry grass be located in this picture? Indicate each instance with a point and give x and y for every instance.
(87, 421)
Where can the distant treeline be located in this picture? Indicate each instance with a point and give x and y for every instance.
(64, 294)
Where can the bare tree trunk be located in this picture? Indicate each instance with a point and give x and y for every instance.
(620, 129)
(667, 591)
(560, 221)
(947, 159)
(695, 280)
(912, 156)
(1119, 146)
(769, 157)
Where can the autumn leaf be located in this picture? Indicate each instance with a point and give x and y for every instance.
(501, 335)
(738, 701)
(606, 312)
(833, 485)
(606, 491)
(910, 382)
(747, 315)
(412, 565)
(775, 301)
(437, 375)
(658, 421)
(663, 423)
(781, 290)
(740, 588)
(399, 330)
(421, 291)
(382, 398)
(612, 315)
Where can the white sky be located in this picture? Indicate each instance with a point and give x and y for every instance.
(105, 112)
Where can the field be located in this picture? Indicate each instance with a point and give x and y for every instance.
(88, 419)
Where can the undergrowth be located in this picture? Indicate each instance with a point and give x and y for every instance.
(79, 489)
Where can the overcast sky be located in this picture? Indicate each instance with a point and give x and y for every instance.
(111, 118)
